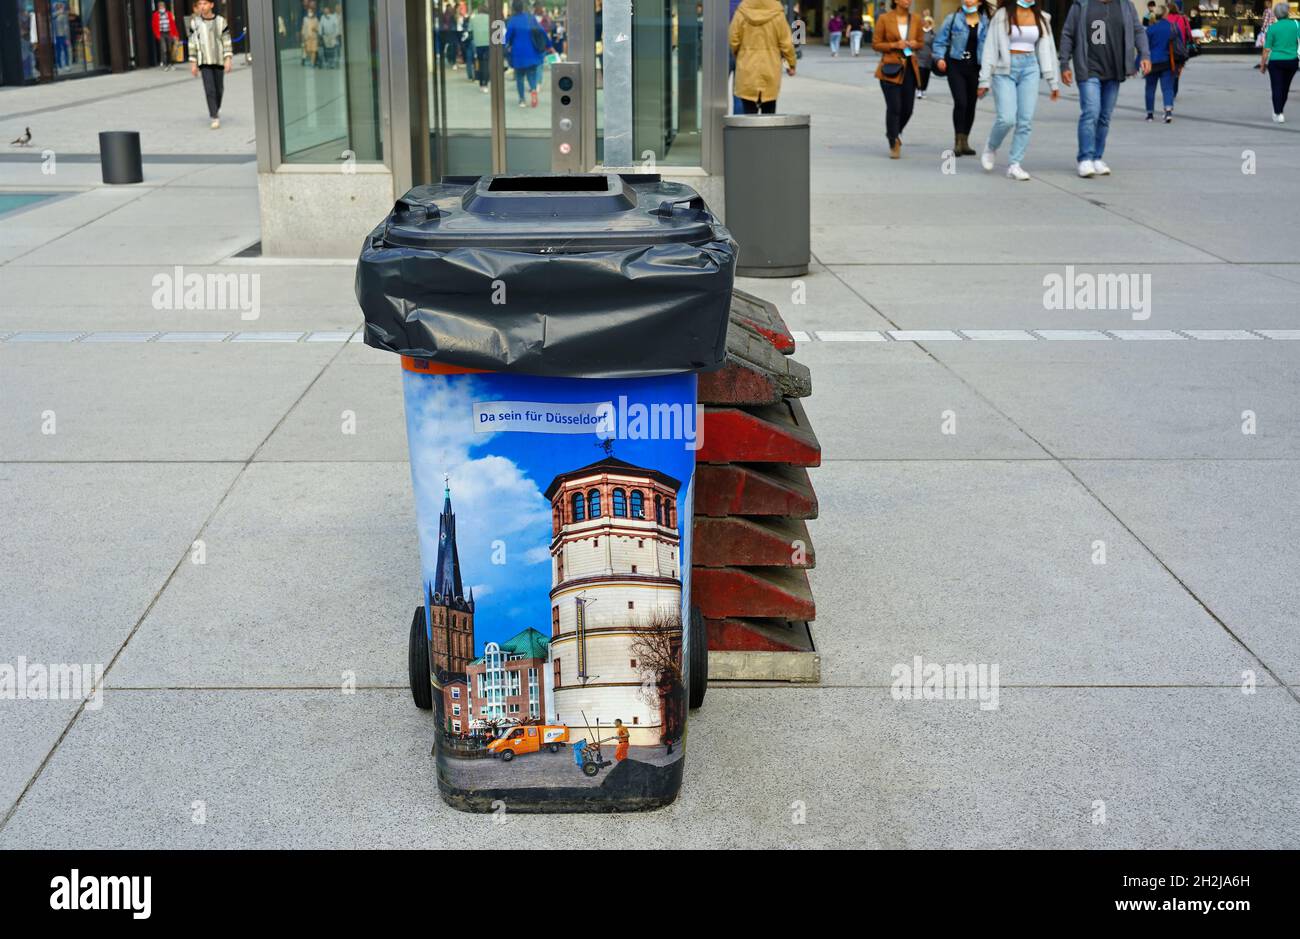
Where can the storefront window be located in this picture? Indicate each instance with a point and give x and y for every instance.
(328, 63)
(1218, 23)
(73, 36)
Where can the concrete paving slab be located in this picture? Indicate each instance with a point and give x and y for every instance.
(352, 771)
(1129, 400)
(988, 561)
(138, 401)
(288, 297)
(818, 300)
(74, 590)
(1222, 529)
(1015, 296)
(350, 413)
(312, 571)
(877, 401)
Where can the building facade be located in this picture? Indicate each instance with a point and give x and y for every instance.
(48, 40)
(615, 554)
(507, 682)
(411, 96)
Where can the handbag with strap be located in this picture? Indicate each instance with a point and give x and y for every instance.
(892, 72)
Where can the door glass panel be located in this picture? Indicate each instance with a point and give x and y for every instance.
(666, 79)
(534, 35)
(329, 80)
(460, 100)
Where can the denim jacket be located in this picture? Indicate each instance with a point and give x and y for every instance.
(951, 36)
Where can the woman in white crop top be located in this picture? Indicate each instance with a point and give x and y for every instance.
(1023, 38)
(1018, 52)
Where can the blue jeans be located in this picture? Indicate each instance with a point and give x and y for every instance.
(1096, 102)
(1166, 81)
(836, 39)
(531, 72)
(1014, 99)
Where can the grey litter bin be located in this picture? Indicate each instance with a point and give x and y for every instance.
(119, 157)
(766, 165)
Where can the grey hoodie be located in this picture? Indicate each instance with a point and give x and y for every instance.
(1074, 39)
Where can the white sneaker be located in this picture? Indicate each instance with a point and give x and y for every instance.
(1015, 172)
(216, 124)
(1279, 118)
(986, 159)
(1100, 168)
(1087, 168)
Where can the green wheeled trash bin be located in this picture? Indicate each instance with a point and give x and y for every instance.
(550, 329)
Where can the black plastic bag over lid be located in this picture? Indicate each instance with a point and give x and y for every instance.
(593, 276)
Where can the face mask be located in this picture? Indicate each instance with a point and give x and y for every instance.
(1024, 4)
(970, 9)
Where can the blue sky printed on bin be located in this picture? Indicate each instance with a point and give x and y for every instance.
(497, 480)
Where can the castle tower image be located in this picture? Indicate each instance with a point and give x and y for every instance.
(615, 556)
(451, 613)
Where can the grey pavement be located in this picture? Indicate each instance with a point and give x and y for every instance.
(187, 502)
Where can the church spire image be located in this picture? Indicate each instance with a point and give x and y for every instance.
(451, 612)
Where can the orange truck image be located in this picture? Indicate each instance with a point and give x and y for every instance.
(529, 739)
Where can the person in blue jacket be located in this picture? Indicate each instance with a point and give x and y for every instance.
(957, 47)
(1167, 48)
(526, 47)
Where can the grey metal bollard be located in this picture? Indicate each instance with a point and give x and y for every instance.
(119, 157)
(766, 159)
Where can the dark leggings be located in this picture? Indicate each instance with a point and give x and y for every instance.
(214, 86)
(899, 100)
(925, 79)
(1279, 76)
(758, 107)
(963, 82)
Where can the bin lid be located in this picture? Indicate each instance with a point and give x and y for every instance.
(552, 214)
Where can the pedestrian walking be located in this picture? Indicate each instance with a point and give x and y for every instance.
(925, 56)
(309, 36)
(835, 31)
(1100, 43)
(1167, 47)
(331, 35)
(526, 48)
(897, 38)
(760, 39)
(1279, 57)
(211, 54)
(165, 34)
(957, 45)
(1018, 52)
(480, 37)
(1175, 16)
(855, 31)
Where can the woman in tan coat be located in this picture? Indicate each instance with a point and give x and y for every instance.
(760, 39)
(897, 38)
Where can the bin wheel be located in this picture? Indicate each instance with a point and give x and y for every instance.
(418, 660)
(553, 747)
(590, 768)
(507, 756)
(699, 652)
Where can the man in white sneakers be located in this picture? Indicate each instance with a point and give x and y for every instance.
(1100, 42)
(211, 54)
